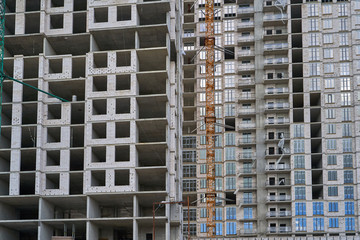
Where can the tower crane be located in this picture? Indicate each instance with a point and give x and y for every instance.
(3, 76)
(210, 119)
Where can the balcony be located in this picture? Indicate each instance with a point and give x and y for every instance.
(275, 34)
(247, 186)
(278, 214)
(277, 152)
(248, 201)
(247, 171)
(273, 92)
(246, 67)
(275, 46)
(277, 167)
(189, 33)
(276, 77)
(245, 25)
(245, 82)
(246, 126)
(276, 61)
(247, 140)
(248, 231)
(278, 183)
(246, 39)
(277, 136)
(246, 53)
(246, 96)
(246, 10)
(279, 229)
(279, 198)
(269, 19)
(246, 155)
(189, 47)
(277, 106)
(279, 121)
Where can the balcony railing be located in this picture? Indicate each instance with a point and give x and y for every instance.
(247, 171)
(279, 229)
(270, 106)
(276, 76)
(245, 24)
(279, 198)
(277, 90)
(246, 67)
(246, 96)
(246, 53)
(281, 182)
(245, 155)
(246, 81)
(246, 126)
(272, 17)
(248, 38)
(276, 60)
(277, 121)
(189, 33)
(248, 231)
(278, 214)
(274, 167)
(243, 10)
(277, 135)
(275, 46)
(247, 140)
(247, 185)
(247, 200)
(276, 151)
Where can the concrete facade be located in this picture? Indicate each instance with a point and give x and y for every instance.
(92, 167)
(293, 75)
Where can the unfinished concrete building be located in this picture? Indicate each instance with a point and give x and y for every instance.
(287, 104)
(92, 167)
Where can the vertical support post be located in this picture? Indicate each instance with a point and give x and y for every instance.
(153, 221)
(188, 206)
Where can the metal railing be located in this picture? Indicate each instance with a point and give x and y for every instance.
(276, 46)
(279, 198)
(278, 213)
(270, 106)
(279, 229)
(277, 121)
(282, 182)
(276, 60)
(273, 167)
(276, 90)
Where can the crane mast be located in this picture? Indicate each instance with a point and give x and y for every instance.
(210, 117)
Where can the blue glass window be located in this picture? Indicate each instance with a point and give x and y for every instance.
(318, 224)
(203, 227)
(349, 192)
(349, 208)
(300, 224)
(318, 208)
(300, 209)
(219, 229)
(248, 213)
(333, 207)
(230, 213)
(349, 224)
(333, 222)
(230, 228)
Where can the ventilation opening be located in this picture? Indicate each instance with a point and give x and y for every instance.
(77, 136)
(28, 137)
(80, 20)
(10, 6)
(80, 5)
(27, 183)
(32, 23)
(30, 94)
(98, 154)
(4, 161)
(76, 184)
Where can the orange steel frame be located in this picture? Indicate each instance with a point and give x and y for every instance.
(210, 117)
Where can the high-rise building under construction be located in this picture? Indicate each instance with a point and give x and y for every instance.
(287, 74)
(91, 168)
